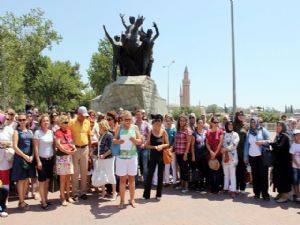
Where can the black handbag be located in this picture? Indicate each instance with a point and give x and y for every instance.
(54, 184)
(267, 155)
(25, 165)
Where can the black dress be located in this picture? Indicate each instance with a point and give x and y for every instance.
(156, 158)
(282, 166)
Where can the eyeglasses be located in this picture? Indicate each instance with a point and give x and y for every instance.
(157, 120)
(127, 120)
(109, 119)
(21, 120)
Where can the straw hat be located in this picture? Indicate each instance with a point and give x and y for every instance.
(214, 164)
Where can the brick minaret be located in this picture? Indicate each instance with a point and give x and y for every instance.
(185, 89)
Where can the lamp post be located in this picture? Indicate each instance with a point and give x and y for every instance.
(168, 88)
(233, 62)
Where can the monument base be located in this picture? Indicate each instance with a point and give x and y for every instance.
(130, 93)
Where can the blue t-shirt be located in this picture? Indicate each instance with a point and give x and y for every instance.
(171, 134)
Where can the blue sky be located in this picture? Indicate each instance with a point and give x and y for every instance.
(196, 34)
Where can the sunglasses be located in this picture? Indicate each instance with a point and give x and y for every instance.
(22, 120)
(109, 119)
(215, 122)
(65, 122)
(127, 120)
(10, 114)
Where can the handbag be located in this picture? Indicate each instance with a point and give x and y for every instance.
(99, 177)
(9, 154)
(167, 156)
(25, 165)
(267, 156)
(196, 175)
(54, 184)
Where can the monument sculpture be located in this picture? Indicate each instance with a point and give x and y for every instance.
(133, 51)
(133, 58)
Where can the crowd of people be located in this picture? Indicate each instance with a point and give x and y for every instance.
(111, 151)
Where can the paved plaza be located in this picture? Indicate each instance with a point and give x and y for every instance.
(174, 208)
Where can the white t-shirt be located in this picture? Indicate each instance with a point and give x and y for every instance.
(45, 143)
(254, 149)
(6, 134)
(295, 150)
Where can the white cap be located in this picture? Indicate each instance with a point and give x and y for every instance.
(83, 111)
(296, 131)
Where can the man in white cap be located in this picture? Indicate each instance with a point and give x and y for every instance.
(81, 132)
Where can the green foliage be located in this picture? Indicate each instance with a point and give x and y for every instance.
(214, 109)
(27, 75)
(187, 110)
(100, 70)
(269, 117)
(59, 84)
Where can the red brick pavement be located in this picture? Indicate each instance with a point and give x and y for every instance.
(174, 209)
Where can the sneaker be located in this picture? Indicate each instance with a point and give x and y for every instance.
(75, 198)
(70, 200)
(178, 187)
(297, 199)
(83, 197)
(158, 198)
(184, 191)
(281, 200)
(3, 214)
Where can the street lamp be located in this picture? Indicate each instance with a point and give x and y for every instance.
(233, 61)
(168, 66)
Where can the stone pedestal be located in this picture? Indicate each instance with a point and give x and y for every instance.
(133, 92)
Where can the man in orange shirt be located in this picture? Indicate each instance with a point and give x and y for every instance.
(81, 132)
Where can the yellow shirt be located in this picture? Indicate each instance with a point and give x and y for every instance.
(80, 132)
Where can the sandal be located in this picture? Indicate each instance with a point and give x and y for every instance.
(121, 205)
(45, 207)
(64, 203)
(132, 203)
(23, 206)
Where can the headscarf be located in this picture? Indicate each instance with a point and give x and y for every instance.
(283, 130)
(253, 131)
(227, 125)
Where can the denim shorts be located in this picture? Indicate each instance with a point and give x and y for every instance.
(296, 176)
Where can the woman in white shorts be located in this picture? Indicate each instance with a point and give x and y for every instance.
(127, 136)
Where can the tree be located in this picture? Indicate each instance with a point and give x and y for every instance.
(269, 117)
(23, 39)
(59, 84)
(100, 69)
(214, 109)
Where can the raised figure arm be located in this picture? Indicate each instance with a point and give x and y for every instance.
(156, 31)
(123, 21)
(107, 35)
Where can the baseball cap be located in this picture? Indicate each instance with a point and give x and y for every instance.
(83, 111)
(296, 131)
